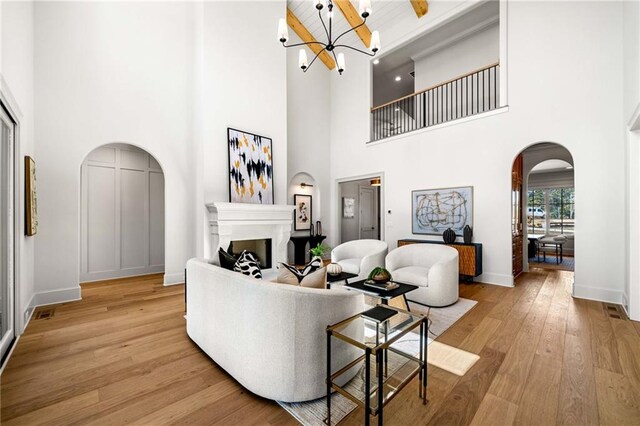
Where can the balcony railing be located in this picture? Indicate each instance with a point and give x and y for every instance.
(460, 97)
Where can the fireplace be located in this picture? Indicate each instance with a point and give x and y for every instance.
(261, 248)
(247, 227)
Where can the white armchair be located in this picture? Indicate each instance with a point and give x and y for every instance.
(360, 256)
(432, 267)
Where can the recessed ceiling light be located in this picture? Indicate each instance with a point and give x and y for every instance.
(398, 78)
(397, 109)
(376, 61)
(569, 167)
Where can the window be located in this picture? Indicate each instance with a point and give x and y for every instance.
(551, 210)
(561, 210)
(536, 217)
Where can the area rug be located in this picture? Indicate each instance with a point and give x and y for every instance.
(313, 413)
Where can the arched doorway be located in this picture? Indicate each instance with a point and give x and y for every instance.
(121, 213)
(543, 208)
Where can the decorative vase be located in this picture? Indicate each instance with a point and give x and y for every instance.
(449, 236)
(317, 259)
(312, 233)
(318, 228)
(467, 234)
(380, 275)
(334, 269)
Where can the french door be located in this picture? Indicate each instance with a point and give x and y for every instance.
(7, 238)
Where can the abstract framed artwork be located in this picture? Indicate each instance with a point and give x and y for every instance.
(436, 210)
(348, 207)
(31, 200)
(250, 168)
(303, 216)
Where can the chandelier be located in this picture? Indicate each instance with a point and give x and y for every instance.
(332, 43)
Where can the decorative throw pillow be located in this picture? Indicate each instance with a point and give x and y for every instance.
(316, 279)
(247, 264)
(309, 268)
(227, 260)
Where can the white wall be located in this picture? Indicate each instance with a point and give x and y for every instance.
(476, 51)
(570, 94)
(308, 127)
(16, 72)
(110, 72)
(244, 87)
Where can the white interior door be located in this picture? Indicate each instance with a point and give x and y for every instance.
(368, 217)
(122, 214)
(7, 240)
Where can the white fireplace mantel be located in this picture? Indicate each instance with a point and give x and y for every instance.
(235, 222)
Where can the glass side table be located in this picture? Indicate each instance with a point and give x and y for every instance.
(379, 341)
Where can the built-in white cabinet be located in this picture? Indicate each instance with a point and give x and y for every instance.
(122, 214)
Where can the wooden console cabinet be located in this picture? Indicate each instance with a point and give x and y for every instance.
(469, 256)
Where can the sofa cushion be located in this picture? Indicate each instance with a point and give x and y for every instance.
(247, 264)
(416, 275)
(351, 266)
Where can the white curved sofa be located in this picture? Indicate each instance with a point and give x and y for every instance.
(432, 267)
(270, 337)
(360, 256)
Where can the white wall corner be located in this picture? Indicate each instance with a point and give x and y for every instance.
(495, 279)
(598, 294)
(57, 296)
(174, 279)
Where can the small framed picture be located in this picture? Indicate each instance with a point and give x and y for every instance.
(348, 207)
(302, 219)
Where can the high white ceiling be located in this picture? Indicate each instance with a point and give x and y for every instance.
(384, 12)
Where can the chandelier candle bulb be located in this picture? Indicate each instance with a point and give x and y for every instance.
(302, 59)
(283, 31)
(364, 8)
(341, 63)
(375, 41)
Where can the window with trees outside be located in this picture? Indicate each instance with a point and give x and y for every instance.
(551, 211)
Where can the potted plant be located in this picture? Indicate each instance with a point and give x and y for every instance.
(380, 275)
(319, 251)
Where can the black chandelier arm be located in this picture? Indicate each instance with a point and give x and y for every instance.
(335, 58)
(357, 50)
(364, 21)
(305, 44)
(314, 59)
(325, 27)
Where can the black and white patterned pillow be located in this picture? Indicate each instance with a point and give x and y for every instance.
(309, 268)
(248, 264)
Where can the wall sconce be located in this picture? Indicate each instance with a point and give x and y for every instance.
(305, 185)
(375, 182)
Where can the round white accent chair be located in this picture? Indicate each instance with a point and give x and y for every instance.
(432, 267)
(360, 256)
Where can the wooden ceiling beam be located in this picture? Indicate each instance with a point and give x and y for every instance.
(420, 6)
(354, 19)
(304, 34)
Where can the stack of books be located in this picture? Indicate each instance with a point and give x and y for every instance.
(389, 285)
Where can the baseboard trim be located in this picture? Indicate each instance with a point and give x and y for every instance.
(174, 279)
(496, 279)
(597, 294)
(57, 296)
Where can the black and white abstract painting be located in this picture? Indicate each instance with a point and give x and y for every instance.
(436, 210)
(250, 168)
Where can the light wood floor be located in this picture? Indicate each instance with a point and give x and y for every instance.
(121, 355)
